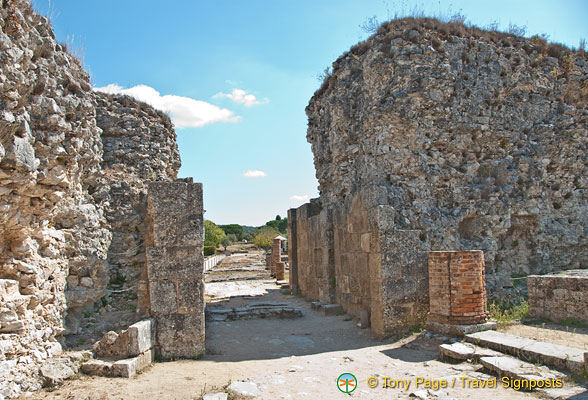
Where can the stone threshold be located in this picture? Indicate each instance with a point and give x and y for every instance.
(254, 310)
(512, 371)
(557, 356)
(126, 368)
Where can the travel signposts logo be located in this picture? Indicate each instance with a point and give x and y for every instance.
(346, 382)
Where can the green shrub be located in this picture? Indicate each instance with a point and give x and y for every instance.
(209, 250)
(505, 314)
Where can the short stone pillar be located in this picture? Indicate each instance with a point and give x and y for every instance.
(268, 261)
(280, 270)
(277, 250)
(175, 266)
(457, 292)
(277, 256)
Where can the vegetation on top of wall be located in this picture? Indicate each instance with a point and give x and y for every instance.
(413, 26)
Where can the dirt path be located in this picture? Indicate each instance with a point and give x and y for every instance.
(297, 358)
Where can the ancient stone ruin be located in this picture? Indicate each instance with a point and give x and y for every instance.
(431, 136)
(426, 137)
(89, 230)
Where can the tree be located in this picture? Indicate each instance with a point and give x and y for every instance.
(235, 229)
(264, 237)
(212, 234)
(280, 225)
(228, 240)
(225, 242)
(278, 217)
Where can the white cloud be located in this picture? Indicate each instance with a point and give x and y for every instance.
(242, 97)
(300, 198)
(254, 173)
(184, 111)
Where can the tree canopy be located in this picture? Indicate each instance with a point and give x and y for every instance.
(264, 237)
(234, 229)
(212, 234)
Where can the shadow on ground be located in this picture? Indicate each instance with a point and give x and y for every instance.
(268, 338)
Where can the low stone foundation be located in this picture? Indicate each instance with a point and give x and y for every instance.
(559, 296)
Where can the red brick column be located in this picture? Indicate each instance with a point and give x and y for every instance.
(457, 287)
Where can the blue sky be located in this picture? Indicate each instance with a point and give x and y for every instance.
(236, 76)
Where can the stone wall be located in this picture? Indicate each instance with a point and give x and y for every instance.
(351, 254)
(175, 267)
(478, 138)
(139, 145)
(432, 136)
(52, 194)
(310, 252)
(74, 167)
(559, 297)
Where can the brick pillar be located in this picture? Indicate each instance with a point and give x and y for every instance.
(457, 287)
(175, 267)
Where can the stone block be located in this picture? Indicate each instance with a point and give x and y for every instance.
(216, 396)
(177, 262)
(167, 198)
(54, 373)
(190, 296)
(364, 319)
(163, 296)
(180, 335)
(126, 368)
(144, 360)
(244, 390)
(97, 368)
(332, 309)
(141, 337)
(458, 330)
(182, 230)
(558, 356)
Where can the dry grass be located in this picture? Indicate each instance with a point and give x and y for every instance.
(436, 31)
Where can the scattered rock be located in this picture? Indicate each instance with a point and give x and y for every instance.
(244, 390)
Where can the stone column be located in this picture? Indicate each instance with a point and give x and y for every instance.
(276, 251)
(293, 251)
(457, 287)
(280, 270)
(175, 267)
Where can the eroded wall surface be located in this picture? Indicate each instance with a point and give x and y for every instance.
(51, 193)
(74, 168)
(472, 139)
(479, 139)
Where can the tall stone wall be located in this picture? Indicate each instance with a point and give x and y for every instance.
(74, 168)
(52, 193)
(478, 138)
(432, 136)
(140, 147)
